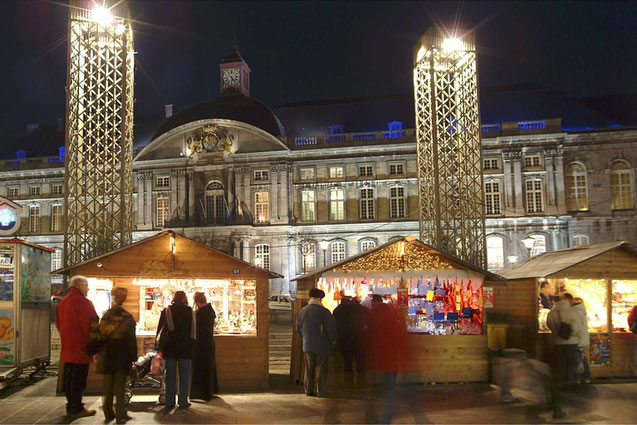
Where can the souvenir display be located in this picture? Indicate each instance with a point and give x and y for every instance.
(624, 298)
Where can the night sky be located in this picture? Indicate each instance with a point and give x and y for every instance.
(318, 50)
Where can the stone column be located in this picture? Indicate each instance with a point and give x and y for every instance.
(274, 188)
(246, 250)
(560, 202)
(285, 201)
(140, 200)
(181, 195)
(231, 191)
(246, 198)
(148, 200)
(283, 249)
(550, 182)
(174, 206)
(292, 251)
(191, 195)
(518, 184)
(508, 184)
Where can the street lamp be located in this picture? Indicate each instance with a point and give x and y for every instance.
(324, 245)
(528, 242)
(513, 259)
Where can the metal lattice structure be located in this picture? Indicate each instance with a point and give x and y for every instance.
(449, 148)
(99, 135)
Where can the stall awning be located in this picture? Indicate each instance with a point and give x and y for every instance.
(403, 260)
(550, 263)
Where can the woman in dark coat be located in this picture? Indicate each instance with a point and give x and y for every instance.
(204, 380)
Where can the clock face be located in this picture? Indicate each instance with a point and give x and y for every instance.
(231, 77)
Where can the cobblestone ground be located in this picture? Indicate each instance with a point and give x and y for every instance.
(461, 404)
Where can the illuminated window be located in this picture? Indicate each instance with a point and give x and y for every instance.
(163, 181)
(621, 186)
(580, 240)
(308, 205)
(261, 175)
(307, 173)
(532, 161)
(491, 164)
(367, 203)
(367, 245)
(492, 197)
(216, 209)
(262, 256)
(13, 192)
(337, 204)
(594, 294)
(397, 202)
(56, 218)
(396, 169)
(338, 251)
(34, 190)
(56, 259)
(534, 196)
(336, 172)
(163, 210)
(539, 245)
(624, 296)
(57, 188)
(262, 206)
(576, 187)
(34, 219)
(495, 252)
(308, 255)
(365, 171)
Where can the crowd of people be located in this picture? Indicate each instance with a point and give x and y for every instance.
(184, 338)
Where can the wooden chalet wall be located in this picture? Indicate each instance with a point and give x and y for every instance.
(242, 361)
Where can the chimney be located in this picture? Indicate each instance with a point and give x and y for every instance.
(60, 123)
(32, 127)
(168, 111)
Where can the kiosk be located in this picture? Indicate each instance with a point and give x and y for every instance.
(440, 295)
(154, 268)
(603, 275)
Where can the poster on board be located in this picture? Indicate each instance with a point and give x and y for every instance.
(36, 278)
(600, 350)
(487, 297)
(7, 338)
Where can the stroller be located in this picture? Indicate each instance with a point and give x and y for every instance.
(140, 377)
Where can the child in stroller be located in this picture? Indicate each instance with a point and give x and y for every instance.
(140, 377)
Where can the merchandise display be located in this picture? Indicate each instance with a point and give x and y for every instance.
(435, 306)
(624, 298)
(6, 273)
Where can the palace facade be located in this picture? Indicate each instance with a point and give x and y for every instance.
(308, 184)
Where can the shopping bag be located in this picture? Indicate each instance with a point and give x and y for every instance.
(158, 365)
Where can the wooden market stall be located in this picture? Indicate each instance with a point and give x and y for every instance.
(603, 275)
(440, 295)
(154, 268)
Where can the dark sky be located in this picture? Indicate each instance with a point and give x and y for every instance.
(317, 50)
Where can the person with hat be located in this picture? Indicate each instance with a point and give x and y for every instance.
(317, 327)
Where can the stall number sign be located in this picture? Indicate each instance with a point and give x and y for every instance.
(236, 271)
(487, 296)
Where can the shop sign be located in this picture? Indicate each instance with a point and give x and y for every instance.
(600, 350)
(402, 299)
(9, 217)
(487, 296)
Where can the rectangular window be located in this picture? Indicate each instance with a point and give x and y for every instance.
(262, 206)
(338, 251)
(308, 255)
(215, 209)
(262, 256)
(396, 169)
(34, 190)
(163, 181)
(337, 204)
(163, 210)
(13, 192)
(261, 175)
(534, 199)
(34, 219)
(491, 164)
(307, 173)
(367, 204)
(336, 172)
(56, 218)
(397, 202)
(532, 161)
(492, 197)
(57, 188)
(308, 206)
(365, 171)
(56, 260)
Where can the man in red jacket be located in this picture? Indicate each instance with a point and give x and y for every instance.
(75, 318)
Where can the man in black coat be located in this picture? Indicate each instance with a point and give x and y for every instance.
(118, 350)
(351, 321)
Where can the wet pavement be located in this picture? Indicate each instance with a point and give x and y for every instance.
(457, 404)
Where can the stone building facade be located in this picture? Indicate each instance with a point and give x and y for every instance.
(225, 173)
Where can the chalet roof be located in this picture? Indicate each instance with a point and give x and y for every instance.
(411, 240)
(549, 263)
(163, 234)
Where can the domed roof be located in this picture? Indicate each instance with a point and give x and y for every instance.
(235, 106)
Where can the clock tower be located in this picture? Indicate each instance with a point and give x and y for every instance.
(234, 73)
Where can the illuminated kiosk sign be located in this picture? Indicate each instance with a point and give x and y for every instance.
(10, 213)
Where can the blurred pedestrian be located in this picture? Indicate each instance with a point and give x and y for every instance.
(76, 320)
(204, 381)
(351, 320)
(317, 327)
(632, 325)
(582, 367)
(118, 351)
(387, 347)
(546, 295)
(176, 336)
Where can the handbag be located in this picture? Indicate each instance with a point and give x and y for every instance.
(163, 337)
(157, 365)
(564, 330)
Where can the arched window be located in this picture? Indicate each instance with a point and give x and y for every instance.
(262, 255)
(308, 256)
(580, 240)
(337, 250)
(215, 204)
(539, 244)
(621, 185)
(367, 244)
(495, 252)
(576, 187)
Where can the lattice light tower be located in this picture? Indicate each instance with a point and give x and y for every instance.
(99, 132)
(449, 149)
